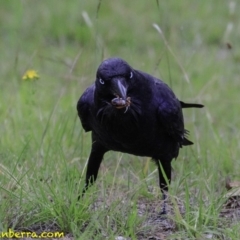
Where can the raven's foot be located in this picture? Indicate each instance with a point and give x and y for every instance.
(163, 213)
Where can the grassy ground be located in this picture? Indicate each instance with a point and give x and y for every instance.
(43, 149)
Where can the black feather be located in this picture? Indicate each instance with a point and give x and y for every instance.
(191, 105)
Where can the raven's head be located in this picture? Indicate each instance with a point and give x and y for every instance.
(114, 76)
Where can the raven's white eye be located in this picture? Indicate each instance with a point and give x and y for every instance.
(131, 75)
(101, 81)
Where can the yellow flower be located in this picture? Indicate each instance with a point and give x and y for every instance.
(30, 75)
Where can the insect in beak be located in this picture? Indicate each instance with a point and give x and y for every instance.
(120, 103)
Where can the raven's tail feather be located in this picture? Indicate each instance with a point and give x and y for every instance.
(191, 105)
(186, 142)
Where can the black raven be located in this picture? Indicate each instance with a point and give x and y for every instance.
(130, 111)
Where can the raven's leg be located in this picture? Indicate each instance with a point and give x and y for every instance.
(164, 171)
(94, 161)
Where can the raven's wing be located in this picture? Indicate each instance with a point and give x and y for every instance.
(170, 114)
(84, 107)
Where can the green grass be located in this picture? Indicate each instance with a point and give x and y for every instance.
(44, 150)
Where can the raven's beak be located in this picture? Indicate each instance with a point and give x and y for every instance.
(119, 90)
